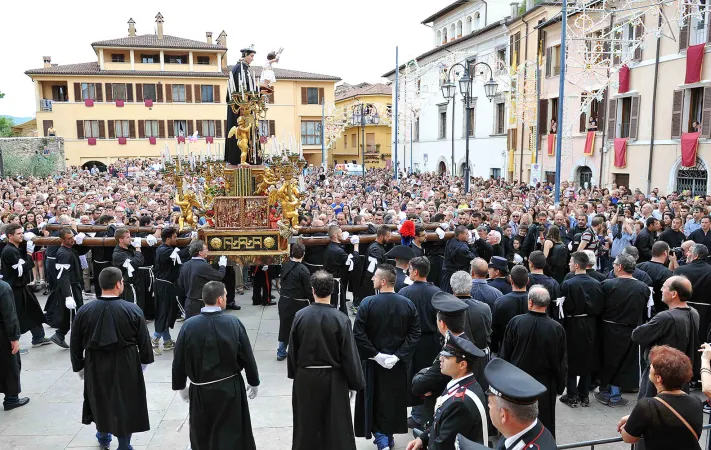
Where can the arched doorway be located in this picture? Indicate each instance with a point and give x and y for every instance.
(442, 168)
(694, 179)
(99, 165)
(584, 176)
(462, 168)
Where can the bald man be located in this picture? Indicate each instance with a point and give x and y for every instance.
(481, 290)
(676, 327)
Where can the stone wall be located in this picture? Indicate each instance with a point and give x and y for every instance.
(31, 156)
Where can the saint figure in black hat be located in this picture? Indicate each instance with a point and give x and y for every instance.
(244, 82)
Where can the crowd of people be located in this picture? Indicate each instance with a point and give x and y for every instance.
(443, 322)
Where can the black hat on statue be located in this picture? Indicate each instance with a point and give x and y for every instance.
(248, 50)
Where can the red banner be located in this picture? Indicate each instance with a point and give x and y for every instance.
(694, 60)
(91, 141)
(119, 103)
(181, 139)
(589, 144)
(624, 79)
(621, 152)
(152, 140)
(689, 145)
(88, 102)
(148, 102)
(122, 141)
(551, 144)
(209, 140)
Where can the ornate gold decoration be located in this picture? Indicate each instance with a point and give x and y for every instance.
(215, 243)
(186, 203)
(269, 242)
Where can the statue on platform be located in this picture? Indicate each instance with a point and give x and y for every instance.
(241, 132)
(265, 181)
(186, 204)
(244, 83)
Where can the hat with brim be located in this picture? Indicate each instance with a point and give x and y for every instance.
(461, 348)
(401, 252)
(463, 443)
(499, 263)
(511, 383)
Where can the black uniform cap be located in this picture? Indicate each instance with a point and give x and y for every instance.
(500, 263)
(447, 304)
(401, 252)
(511, 383)
(461, 348)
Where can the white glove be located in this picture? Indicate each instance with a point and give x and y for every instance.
(222, 262)
(390, 361)
(345, 235)
(151, 240)
(136, 242)
(355, 240)
(70, 303)
(29, 235)
(3, 237)
(265, 268)
(30, 246)
(193, 235)
(440, 233)
(80, 374)
(79, 238)
(444, 226)
(144, 367)
(185, 394)
(380, 359)
(252, 391)
(351, 394)
(42, 225)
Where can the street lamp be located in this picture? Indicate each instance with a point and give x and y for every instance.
(465, 86)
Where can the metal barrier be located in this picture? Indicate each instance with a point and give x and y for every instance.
(592, 444)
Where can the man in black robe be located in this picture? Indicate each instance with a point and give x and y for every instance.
(590, 270)
(698, 271)
(374, 256)
(638, 273)
(68, 287)
(457, 256)
(101, 256)
(339, 263)
(324, 363)
(386, 330)
(127, 257)
(145, 283)
(658, 272)
(109, 346)
(536, 344)
(10, 364)
(195, 273)
(242, 77)
(677, 326)
(296, 294)
(16, 271)
(625, 307)
(420, 293)
(582, 303)
(212, 350)
(402, 255)
(481, 290)
(509, 306)
(169, 260)
(536, 264)
(419, 240)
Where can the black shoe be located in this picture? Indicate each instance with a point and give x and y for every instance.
(59, 341)
(281, 358)
(21, 402)
(269, 304)
(412, 423)
(571, 400)
(585, 402)
(233, 307)
(272, 297)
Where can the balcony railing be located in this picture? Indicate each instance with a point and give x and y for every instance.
(45, 105)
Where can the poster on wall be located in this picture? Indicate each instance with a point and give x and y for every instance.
(535, 174)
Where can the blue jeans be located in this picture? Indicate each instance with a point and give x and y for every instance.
(612, 393)
(281, 350)
(105, 439)
(383, 440)
(165, 335)
(37, 334)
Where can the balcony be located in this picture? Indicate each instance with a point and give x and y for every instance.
(45, 104)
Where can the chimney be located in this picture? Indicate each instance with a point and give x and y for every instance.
(159, 25)
(47, 61)
(514, 10)
(222, 39)
(209, 37)
(131, 27)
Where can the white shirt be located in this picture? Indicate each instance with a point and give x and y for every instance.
(457, 380)
(510, 441)
(213, 308)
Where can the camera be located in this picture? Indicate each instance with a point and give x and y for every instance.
(678, 252)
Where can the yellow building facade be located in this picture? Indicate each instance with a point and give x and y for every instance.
(375, 137)
(143, 91)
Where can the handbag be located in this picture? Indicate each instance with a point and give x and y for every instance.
(663, 402)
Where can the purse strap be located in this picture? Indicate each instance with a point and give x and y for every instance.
(663, 402)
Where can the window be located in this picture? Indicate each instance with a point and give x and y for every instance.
(121, 128)
(501, 61)
(626, 110)
(91, 128)
(345, 141)
(555, 60)
(176, 59)
(59, 93)
(149, 92)
(267, 128)
(118, 57)
(151, 128)
(150, 59)
(495, 173)
(471, 112)
(178, 93)
(691, 112)
(208, 128)
(696, 101)
(203, 60)
(416, 133)
(310, 132)
(500, 118)
(554, 113)
(206, 93)
(353, 140)
(699, 24)
(370, 146)
(442, 122)
(590, 116)
(312, 96)
(118, 91)
(180, 128)
(88, 92)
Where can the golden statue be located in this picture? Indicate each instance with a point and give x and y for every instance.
(186, 205)
(265, 180)
(288, 197)
(242, 132)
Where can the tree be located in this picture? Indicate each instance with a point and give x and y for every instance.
(6, 125)
(2, 95)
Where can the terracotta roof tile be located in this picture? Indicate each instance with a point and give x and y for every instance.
(287, 74)
(364, 89)
(152, 41)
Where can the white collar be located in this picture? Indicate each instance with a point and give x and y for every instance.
(457, 380)
(212, 308)
(197, 257)
(109, 296)
(510, 441)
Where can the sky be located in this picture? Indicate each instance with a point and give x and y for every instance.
(352, 40)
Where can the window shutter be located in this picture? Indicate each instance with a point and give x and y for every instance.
(464, 120)
(159, 92)
(198, 94)
(102, 129)
(677, 113)
(169, 93)
(188, 93)
(224, 122)
(583, 116)
(218, 128)
(606, 45)
(634, 118)
(80, 129)
(548, 61)
(129, 92)
(171, 128)
(706, 114)
(46, 125)
(198, 127)
(161, 129)
(77, 91)
(216, 93)
(601, 111)
(511, 50)
(190, 127)
(612, 120)
(304, 96)
(638, 30)
(99, 92)
(112, 130)
(684, 35)
(543, 41)
(142, 127)
(139, 92)
(132, 129)
(543, 116)
(109, 92)
(272, 128)
(517, 47)
(320, 95)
